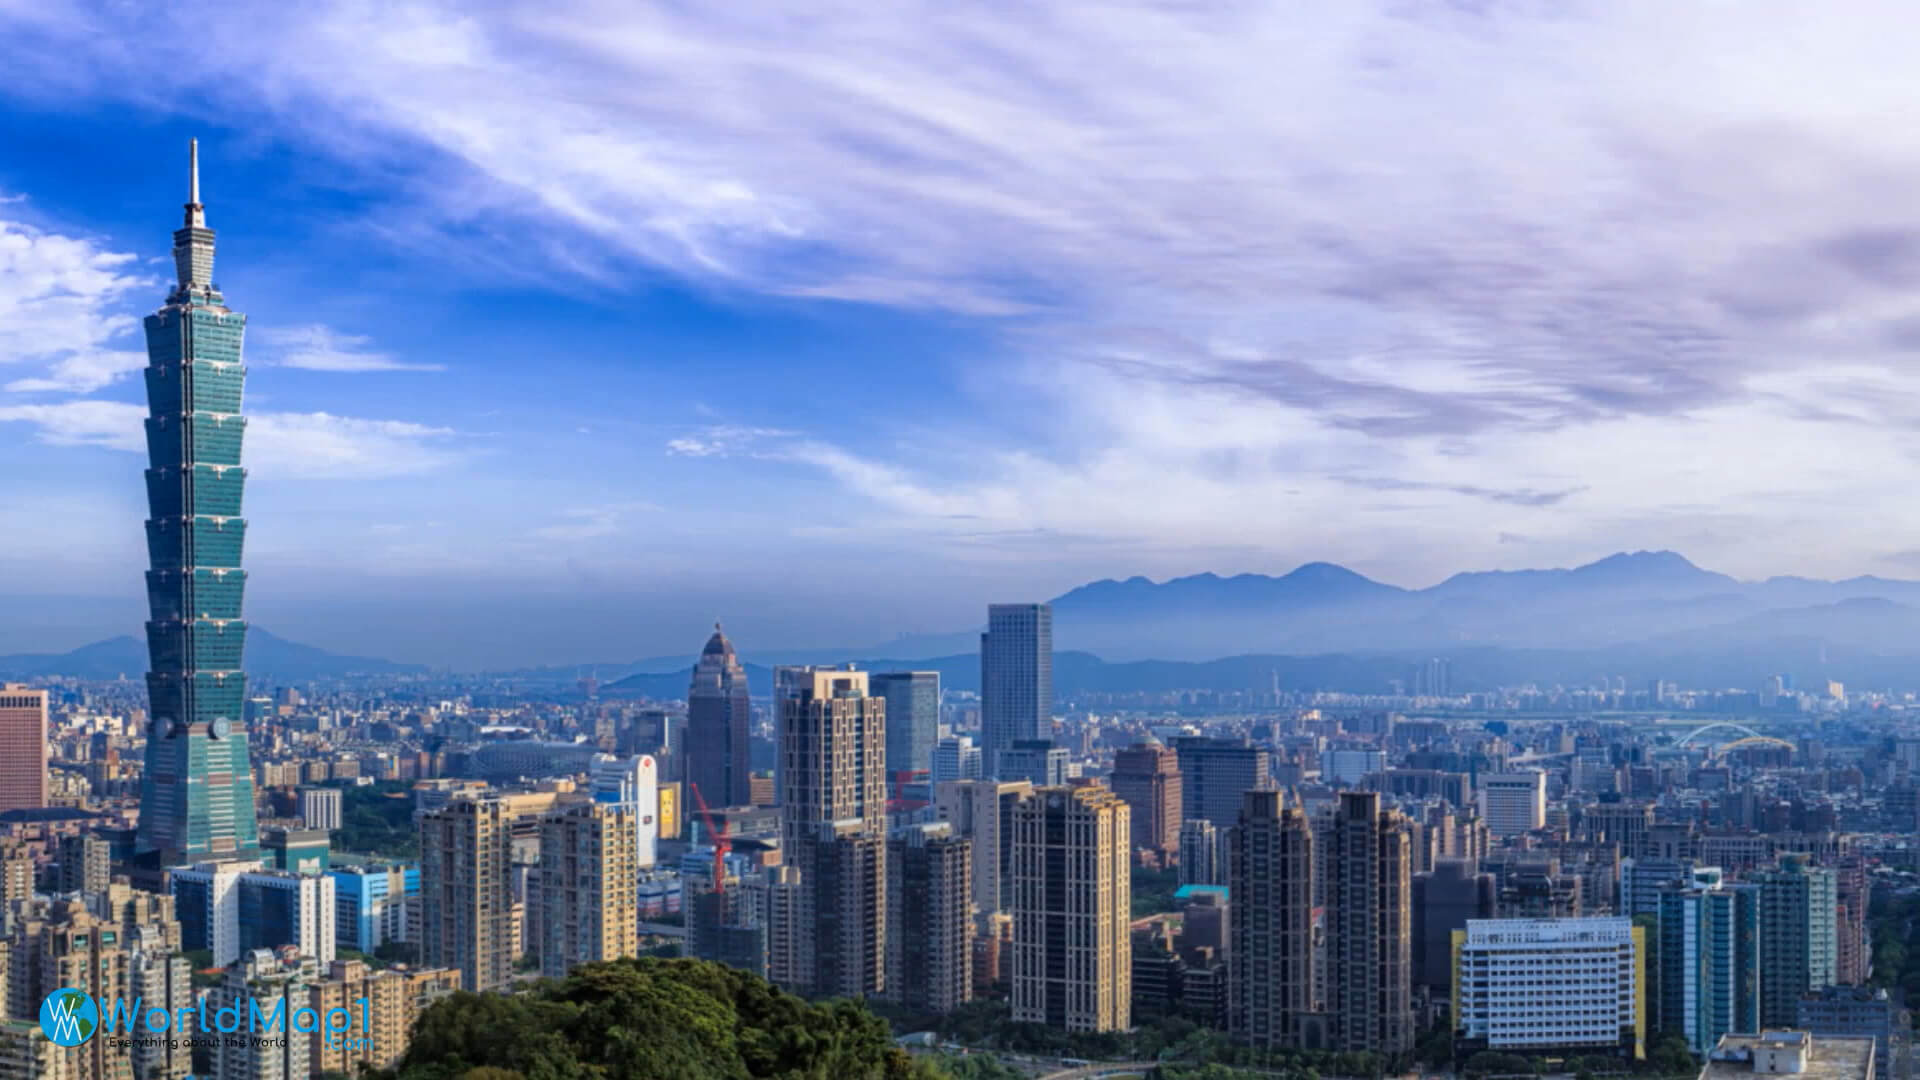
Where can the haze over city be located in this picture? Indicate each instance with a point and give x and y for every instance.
(601, 323)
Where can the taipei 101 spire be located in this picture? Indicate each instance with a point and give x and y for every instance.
(196, 793)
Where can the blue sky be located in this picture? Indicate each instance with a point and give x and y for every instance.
(574, 327)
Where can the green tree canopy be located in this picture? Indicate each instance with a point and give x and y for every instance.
(644, 1018)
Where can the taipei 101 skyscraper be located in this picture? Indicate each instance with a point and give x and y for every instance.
(196, 794)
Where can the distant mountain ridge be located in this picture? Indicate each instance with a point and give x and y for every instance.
(266, 657)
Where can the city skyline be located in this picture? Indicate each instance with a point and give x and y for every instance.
(1359, 332)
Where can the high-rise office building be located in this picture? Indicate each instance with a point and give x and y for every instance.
(370, 904)
(929, 918)
(1643, 880)
(1072, 962)
(1445, 899)
(833, 816)
(1203, 853)
(1147, 777)
(1215, 773)
(1270, 974)
(1369, 926)
(1709, 954)
(196, 793)
(1798, 936)
(1513, 803)
(1037, 761)
(233, 907)
(634, 784)
(913, 717)
(1016, 678)
(466, 891)
(1533, 985)
(982, 811)
(23, 747)
(589, 886)
(956, 758)
(320, 808)
(719, 715)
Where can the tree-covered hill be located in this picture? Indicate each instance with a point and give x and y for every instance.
(651, 1018)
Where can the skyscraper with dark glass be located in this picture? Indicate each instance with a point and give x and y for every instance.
(1016, 679)
(718, 712)
(196, 794)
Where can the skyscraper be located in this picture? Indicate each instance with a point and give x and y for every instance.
(1270, 980)
(1016, 679)
(1215, 773)
(718, 715)
(913, 717)
(466, 891)
(1798, 940)
(589, 886)
(1369, 926)
(1072, 962)
(1514, 803)
(196, 794)
(929, 924)
(1147, 777)
(23, 748)
(1709, 956)
(833, 817)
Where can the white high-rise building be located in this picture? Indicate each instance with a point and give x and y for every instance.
(632, 782)
(320, 808)
(1513, 803)
(1536, 984)
(232, 907)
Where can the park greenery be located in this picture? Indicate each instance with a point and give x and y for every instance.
(377, 819)
(637, 1019)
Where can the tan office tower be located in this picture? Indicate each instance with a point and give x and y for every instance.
(589, 886)
(929, 929)
(23, 748)
(833, 816)
(982, 811)
(1147, 777)
(1369, 923)
(1072, 961)
(394, 999)
(466, 891)
(1270, 871)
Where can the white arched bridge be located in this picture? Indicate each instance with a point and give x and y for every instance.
(1746, 737)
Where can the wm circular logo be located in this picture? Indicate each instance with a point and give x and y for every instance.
(69, 1017)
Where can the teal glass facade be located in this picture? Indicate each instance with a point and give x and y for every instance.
(196, 793)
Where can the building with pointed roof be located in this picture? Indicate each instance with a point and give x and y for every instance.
(719, 713)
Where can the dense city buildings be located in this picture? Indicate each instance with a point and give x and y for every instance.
(929, 918)
(23, 747)
(1559, 985)
(1787, 1052)
(719, 722)
(274, 981)
(1271, 959)
(1016, 679)
(196, 791)
(833, 817)
(1072, 964)
(1147, 778)
(394, 998)
(1444, 900)
(913, 717)
(1369, 926)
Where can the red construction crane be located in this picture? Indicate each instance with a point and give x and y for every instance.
(721, 844)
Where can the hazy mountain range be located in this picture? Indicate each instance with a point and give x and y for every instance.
(1640, 614)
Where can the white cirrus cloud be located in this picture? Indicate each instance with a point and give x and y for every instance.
(315, 347)
(308, 445)
(62, 308)
(724, 440)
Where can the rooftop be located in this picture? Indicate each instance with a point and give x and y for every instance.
(1813, 1057)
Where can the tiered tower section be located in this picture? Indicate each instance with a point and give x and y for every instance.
(196, 795)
